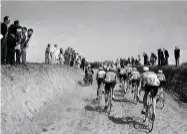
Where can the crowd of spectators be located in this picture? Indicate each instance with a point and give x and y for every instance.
(69, 57)
(14, 42)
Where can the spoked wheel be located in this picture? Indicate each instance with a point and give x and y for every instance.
(100, 94)
(161, 100)
(151, 117)
(135, 90)
(109, 102)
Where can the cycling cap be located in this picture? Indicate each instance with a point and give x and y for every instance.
(145, 69)
(160, 71)
(134, 69)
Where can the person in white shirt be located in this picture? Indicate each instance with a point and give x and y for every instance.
(61, 57)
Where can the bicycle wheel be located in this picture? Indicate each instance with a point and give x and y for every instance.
(151, 117)
(135, 90)
(161, 100)
(100, 95)
(109, 102)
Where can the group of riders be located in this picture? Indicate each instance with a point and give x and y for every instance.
(149, 81)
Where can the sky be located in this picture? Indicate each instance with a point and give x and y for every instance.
(102, 30)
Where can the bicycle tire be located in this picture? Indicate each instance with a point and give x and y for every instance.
(151, 117)
(161, 100)
(109, 102)
(135, 90)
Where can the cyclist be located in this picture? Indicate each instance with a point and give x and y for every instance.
(110, 82)
(129, 70)
(89, 74)
(123, 73)
(100, 78)
(161, 78)
(150, 83)
(135, 78)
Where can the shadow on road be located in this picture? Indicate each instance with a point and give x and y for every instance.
(135, 121)
(82, 84)
(93, 108)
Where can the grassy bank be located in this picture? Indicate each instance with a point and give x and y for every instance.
(25, 90)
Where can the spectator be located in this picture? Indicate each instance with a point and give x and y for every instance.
(145, 58)
(162, 57)
(177, 55)
(83, 62)
(18, 44)
(132, 61)
(139, 59)
(12, 42)
(159, 56)
(61, 57)
(48, 54)
(4, 31)
(25, 45)
(166, 56)
(153, 59)
(23, 39)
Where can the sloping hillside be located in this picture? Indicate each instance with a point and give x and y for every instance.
(47, 99)
(25, 90)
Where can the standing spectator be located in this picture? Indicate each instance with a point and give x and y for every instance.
(23, 39)
(83, 62)
(61, 57)
(159, 57)
(56, 54)
(4, 31)
(48, 54)
(18, 44)
(129, 60)
(153, 59)
(177, 55)
(145, 58)
(162, 57)
(132, 61)
(12, 42)
(139, 60)
(166, 56)
(25, 45)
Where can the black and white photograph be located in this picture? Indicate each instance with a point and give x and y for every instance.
(93, 67)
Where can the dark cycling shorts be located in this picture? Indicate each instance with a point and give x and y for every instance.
(124, 76)
(137, 82)
(109, 85)
(152, 89)
(99, 81)
(162, 83)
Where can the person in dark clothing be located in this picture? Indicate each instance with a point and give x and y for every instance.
(162, 57)
(159, 58)
(166, 56)
(153, 59)
(4, 31)
(177, 55)
(132, 61)
(83, 62)
(145, 58)
(18, 44)
(12, 39)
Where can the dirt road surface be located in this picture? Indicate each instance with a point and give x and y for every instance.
(76, 112)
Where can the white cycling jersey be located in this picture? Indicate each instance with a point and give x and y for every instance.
(110, 77)
(161, 77)
(135, 75)
(101, 74)
(129, 69)
(150, 79)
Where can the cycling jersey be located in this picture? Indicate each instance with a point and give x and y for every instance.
(129, 69)
(123, 71)
(150, 79)
(101, 74)
(110, 77)
(135, 75)
(161, 77)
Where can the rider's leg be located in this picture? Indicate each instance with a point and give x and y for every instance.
(106, 96)
(154, 105)
(145, 100)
